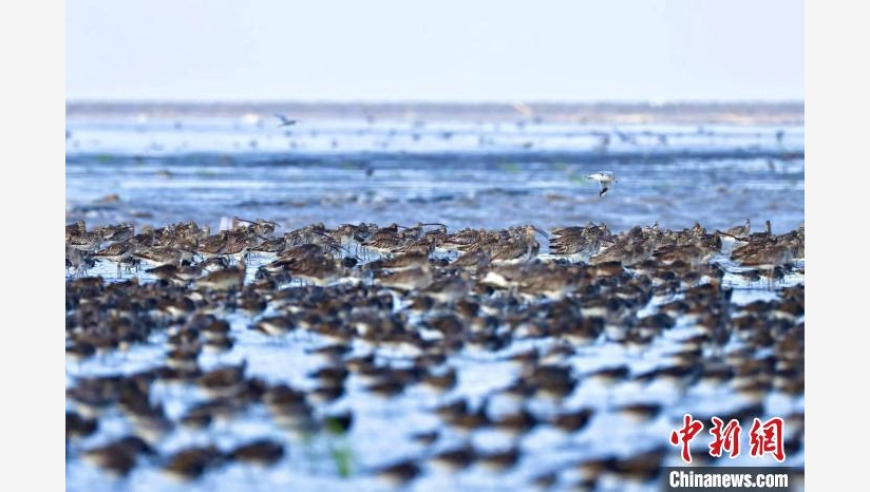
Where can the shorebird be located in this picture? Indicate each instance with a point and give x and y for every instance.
(78, 426)
(275, 325)
(227, 279)
(578, 243)
(116, 253)
(453, 460)
(285, 121)
(118, 457)
(604, 178)
(262, 452)
(399, 474)
(738, 232)
(500, 461)
(190, 463)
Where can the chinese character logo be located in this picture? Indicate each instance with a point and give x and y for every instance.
(767, 438)
(764, 438)
(725, 438)
(684, 436)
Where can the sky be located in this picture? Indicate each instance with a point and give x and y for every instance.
(446, 50)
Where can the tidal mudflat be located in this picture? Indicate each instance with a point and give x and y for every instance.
(425, 300)
(367, 357)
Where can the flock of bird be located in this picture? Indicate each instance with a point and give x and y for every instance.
(391, 312)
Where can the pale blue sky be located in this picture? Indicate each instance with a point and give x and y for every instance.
(384, 50)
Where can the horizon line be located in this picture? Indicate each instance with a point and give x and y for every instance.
(543, 102)
(617, 112)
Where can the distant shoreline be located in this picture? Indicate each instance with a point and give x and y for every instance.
(749, 112)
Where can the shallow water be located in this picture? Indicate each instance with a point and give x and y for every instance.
(461, 174)
(382, 427)
(458, 173)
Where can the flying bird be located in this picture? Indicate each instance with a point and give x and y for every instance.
(285, 121)
(604, 178)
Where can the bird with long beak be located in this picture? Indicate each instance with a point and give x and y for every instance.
(520, 247)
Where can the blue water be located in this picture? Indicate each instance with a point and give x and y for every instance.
(458, 173)
(463, 174)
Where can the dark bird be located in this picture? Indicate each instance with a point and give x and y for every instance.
(285, 121)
